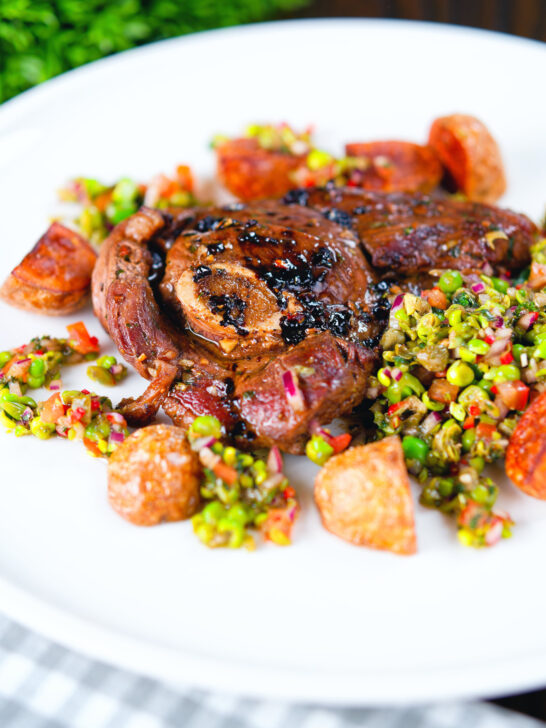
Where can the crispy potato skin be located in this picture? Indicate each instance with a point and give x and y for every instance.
(154, 476)
(364, 497)
(470, 154)
(397, 166)
(252, 173)
(526, 452)
(55, 276)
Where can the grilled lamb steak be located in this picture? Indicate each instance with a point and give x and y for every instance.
(269, 315)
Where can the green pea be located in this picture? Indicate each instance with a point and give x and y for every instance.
(454, 316)
(477, 463)
(238, 514)
(467, 355)
(485, 384)
(480, 494)
(213, 512)
(460, 374)
(116, 213)
(260, 478)
(507, 372)
(206, 425)
(245, 460)
(517, 351)
(37, 368)
(316, 159)
(217, 448)
(383, 377)
(450, 281)
(125, 191)
(415, 449)
(445, 487)
(540, 351)
(203, 531)
(5, 356)
(230, 455)
(500, 285)
(101, 375)
(41, 430)
(478, 346)
(468, 439)
(237, 537)
(106, 361)
(318, 450)
(246, 481)
(35, 382)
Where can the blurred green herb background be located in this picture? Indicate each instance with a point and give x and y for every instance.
(39, 40)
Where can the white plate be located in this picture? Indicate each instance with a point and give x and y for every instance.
(322, 620)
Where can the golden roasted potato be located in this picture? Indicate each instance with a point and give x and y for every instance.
(395, 166)
(526, 452)
(363, 495)
(471, 156)
(252, 173)
(55, 277)
(154, 476)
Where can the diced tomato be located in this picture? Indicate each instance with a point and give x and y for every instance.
(468, 423)
(436, 297)
(80, 339)
(225, 472)
(340, 442)
(494, 389)
(515, 395)
(507, 358)
(102, 200)
(17, 368)
(395, 407)
(185, 177)
(489, 339)
(474, 410)
(485, 431)
(53, 408)
(289, 492)
(92, 447)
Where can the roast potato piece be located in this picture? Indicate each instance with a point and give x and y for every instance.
(363, 495)
(154, 476)
(55, 277)
(395, 166)
(470, 155)
(526, 452)
(251, 173)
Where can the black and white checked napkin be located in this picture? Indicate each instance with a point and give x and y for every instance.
(44, 685)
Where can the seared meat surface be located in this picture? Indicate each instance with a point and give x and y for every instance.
(269, 315)
(413, 234)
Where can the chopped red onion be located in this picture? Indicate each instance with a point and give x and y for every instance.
(430, 422)
(201, 442)
(115, 418)
(503, 409)
(55, 385)
(294, 395)
(208, 458)
(274, 460)
(372, 392)
(494, 534)
(273, 481)
(398, 301)
(23, 361)
(396, 373)
(27, 415)
(117, 436)
(478, 287)
(15, 388)
(527, 320)
(116, 369)
(524, 359)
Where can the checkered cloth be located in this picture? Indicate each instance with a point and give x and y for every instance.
(45, 685)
